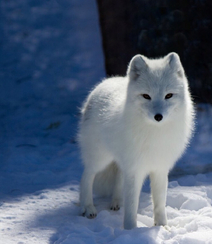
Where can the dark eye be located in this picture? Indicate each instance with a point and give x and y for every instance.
(146, 96)
(169, 95)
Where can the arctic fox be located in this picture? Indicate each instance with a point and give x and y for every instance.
(132, 127)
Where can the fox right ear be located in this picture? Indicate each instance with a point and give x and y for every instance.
(136, 67)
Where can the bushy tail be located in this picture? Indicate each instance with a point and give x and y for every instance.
(105, 180)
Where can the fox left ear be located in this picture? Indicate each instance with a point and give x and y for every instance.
(136, 67)
(175, 64)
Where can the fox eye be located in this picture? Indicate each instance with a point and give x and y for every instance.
(169, 95)
(146, 96)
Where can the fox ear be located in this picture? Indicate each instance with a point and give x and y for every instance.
(136, 67)
(175, 64)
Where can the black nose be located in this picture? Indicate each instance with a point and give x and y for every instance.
(158, 117)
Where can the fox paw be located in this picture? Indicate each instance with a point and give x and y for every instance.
(89, 211)
(160, 219)
(115, 205)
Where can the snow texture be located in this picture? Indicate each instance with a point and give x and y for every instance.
(50, 57)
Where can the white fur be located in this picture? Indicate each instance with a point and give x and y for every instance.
(122, 143)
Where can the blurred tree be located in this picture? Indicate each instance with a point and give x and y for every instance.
(117, 25)
(155, 28)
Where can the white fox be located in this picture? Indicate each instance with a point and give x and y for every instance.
(132, 127)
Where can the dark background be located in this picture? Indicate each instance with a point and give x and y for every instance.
(155, 28)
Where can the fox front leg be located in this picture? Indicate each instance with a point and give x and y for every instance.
(132, 188)
(159, 181)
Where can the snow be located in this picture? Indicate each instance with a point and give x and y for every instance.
(50, 57)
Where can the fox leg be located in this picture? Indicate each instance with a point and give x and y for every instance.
(86, 194)
(159, 182)
(132, 188)
(117, 191)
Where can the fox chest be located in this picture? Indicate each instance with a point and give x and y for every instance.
(155, 147)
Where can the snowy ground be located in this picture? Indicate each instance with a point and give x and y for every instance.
(50, 57)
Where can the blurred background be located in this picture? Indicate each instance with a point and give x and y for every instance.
(155, 28)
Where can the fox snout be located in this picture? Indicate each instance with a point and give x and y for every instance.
(158, 117)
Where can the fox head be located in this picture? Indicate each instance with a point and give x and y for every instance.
(158, 88)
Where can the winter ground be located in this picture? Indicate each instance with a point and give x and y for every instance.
(50, 57)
